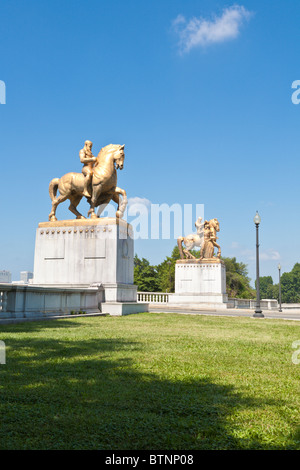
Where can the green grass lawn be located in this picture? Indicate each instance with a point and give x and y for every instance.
(150, 381)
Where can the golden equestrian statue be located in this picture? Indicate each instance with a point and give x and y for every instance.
(206, 238)
(97, 182)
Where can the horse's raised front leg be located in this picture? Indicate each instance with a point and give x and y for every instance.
(188, 254)
(122, 202)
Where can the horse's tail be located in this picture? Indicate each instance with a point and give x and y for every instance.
(179, 243)
(53, 186)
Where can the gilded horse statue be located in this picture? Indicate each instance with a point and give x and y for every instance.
(206, 238)
(191, 241)
(103, 187)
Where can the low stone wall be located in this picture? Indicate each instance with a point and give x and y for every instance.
(265, 304)
(25, 301)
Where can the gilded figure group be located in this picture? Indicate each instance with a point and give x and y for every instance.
(205, 238)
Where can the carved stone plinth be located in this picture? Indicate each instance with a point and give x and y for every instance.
(200, 282)
(89, 252)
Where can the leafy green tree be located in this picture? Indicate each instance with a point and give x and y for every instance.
(264, 283)
(290, 285)
(145, 275)
(267, 289)
(272, 292)
(166, 272)
(237, 280)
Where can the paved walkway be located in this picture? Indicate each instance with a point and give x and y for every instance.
(288, 314)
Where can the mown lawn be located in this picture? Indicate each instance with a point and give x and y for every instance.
(150, 381)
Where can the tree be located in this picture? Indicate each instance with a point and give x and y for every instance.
(267, 289)
(145, 275)
(166, 272)
(290, 285)
(237, 280)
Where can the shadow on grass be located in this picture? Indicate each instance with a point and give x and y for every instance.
(92, 395)
(39, 325)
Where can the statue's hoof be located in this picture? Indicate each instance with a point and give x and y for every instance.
(119, 215)
(52, 219)
(94, 216)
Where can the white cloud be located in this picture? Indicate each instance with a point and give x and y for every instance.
(250, 254)
(139, 200)
(269, 255)
(200, 32)
(240, 250)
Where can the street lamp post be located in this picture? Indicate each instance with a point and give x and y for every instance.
(279, 270)
(258, 312)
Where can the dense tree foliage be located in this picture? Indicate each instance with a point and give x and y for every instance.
(145, 275)
(267, 289)
(290, 285)
(237, 280)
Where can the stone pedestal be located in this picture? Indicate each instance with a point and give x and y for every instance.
(89, 252)
(200, 283)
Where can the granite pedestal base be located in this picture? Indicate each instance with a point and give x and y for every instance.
(200, 283)
(89, 252)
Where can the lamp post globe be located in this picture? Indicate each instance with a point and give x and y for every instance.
(257, 218)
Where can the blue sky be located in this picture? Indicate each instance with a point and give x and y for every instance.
(198, 91)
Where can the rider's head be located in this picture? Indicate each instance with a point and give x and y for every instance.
(88, 144)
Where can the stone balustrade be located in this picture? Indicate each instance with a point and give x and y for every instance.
(164, 298)
(153, 297)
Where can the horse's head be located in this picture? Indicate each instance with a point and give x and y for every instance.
(119, 156)
(112, 152)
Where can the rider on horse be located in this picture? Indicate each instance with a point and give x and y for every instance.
(88, 160)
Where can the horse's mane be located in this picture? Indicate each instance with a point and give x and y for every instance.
(106, 149)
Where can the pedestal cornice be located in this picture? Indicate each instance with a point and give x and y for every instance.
(85, 222)
(201, 261)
